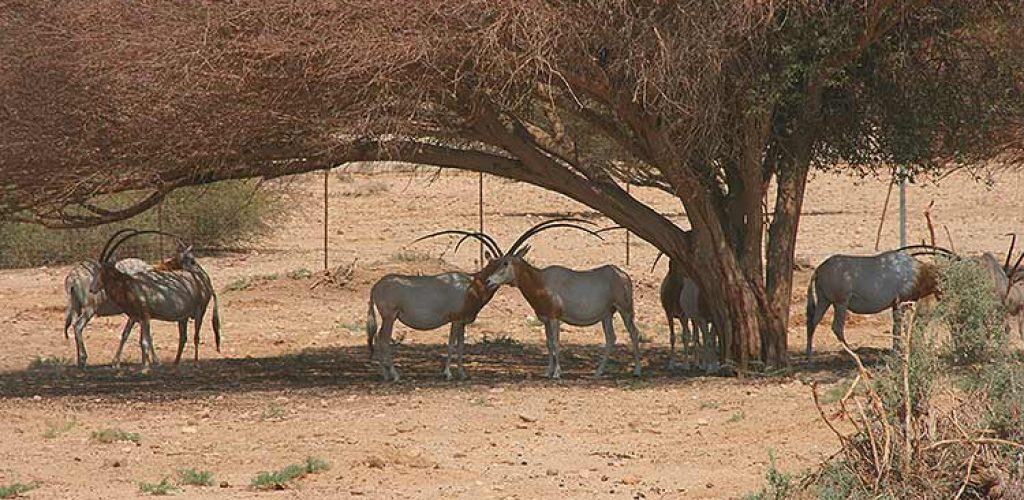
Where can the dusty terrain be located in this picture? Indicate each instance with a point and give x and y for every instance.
(293, 379)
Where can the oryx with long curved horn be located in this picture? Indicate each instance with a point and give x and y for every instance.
(580, 298)
(177, 290)
(869, 285)
(429, 302)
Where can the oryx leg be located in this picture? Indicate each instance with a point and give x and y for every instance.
(839, 322)
(710, 348)
(462, 351)
(182, 339)
(672, 343)
(146, 342)
(195, 335)
(80, 354)
(551, 328)
(386, 356)
(691, 344)
(453, 337)
(609, 344)
(125, 334)
(634, 339)
(814, 318)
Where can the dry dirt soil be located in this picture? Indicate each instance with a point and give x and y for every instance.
(293, 379)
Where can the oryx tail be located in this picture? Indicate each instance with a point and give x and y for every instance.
(216, 320)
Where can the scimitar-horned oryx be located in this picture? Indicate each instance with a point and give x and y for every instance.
(869, 285)
(681, 299)
(580, 298)
(161, 293)
(429, 302)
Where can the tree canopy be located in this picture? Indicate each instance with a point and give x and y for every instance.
(711, 101)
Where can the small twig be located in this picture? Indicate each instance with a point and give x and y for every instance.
(974, 441)
(928, 218)
(885, 208)
(967, 477)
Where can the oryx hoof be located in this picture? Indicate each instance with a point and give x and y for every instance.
(557, 373)
(712, 368)
(448, 375)
(394, 374)
(637, 371)
(463, 375)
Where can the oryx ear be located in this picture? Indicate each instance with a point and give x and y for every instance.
(522, 251)
(187, 249)
(488, 255)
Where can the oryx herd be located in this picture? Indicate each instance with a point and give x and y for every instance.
(178, 289)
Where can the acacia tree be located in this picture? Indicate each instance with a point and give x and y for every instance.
(712, 102)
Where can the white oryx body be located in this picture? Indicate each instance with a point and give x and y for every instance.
(866, 285)
(580, 298)
(424, 303)
(680, 299)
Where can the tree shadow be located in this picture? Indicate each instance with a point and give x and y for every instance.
(349, 368)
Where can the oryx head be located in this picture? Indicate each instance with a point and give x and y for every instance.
(507, 264)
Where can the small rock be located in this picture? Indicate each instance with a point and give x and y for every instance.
(37, 398)
(702, 421)
(356, 493)
(225, 484)
(710, 485)
(630, 480)
(527, 418)
(115, 462)
(497, 390)
(375, 462)
(551, 472)
(189, 430)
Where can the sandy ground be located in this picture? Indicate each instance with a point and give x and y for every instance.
(293, 379)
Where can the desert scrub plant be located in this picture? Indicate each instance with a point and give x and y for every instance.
(114, 435)
(54, 429)
(300, 274)
(363, 189)
(16, 489)
(49, 364)
(163, 488)
(194, 477)
(224, 214)
(279, 479)
(273, 411)
(780, 484)
(972, 312)
(499, 340)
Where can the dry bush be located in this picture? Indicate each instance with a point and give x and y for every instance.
(913, 436)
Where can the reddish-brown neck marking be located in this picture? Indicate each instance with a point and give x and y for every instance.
(117, 286)
(926, 282)
(530, 283)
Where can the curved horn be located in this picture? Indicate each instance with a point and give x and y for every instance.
(494, 245)
(928, 247)
(555, 226)
(545, 225)
(106, 246)
(1009, 253)
(660, 253)
(483, 238)
(133, 234)
(1016, 266)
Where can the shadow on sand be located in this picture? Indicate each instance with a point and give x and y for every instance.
(349, 368)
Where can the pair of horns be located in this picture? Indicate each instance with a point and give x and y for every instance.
(492, 245)
(124, 235)
(917, 250)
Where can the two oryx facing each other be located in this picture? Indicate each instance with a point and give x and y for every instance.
(557, 294)
(176, 289)
(872, 284)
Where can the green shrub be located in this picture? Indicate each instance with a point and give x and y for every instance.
(15, 490)
(163, 488)
(279, 479)
(194, 477)
(780, 484)
(972, 313)
(223, 214)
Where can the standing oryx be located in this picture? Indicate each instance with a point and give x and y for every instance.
(681, 298)
(580, 298)
(83, 304)
(1008, 284)
(429, 302)
(869, 285)
(161, 293)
